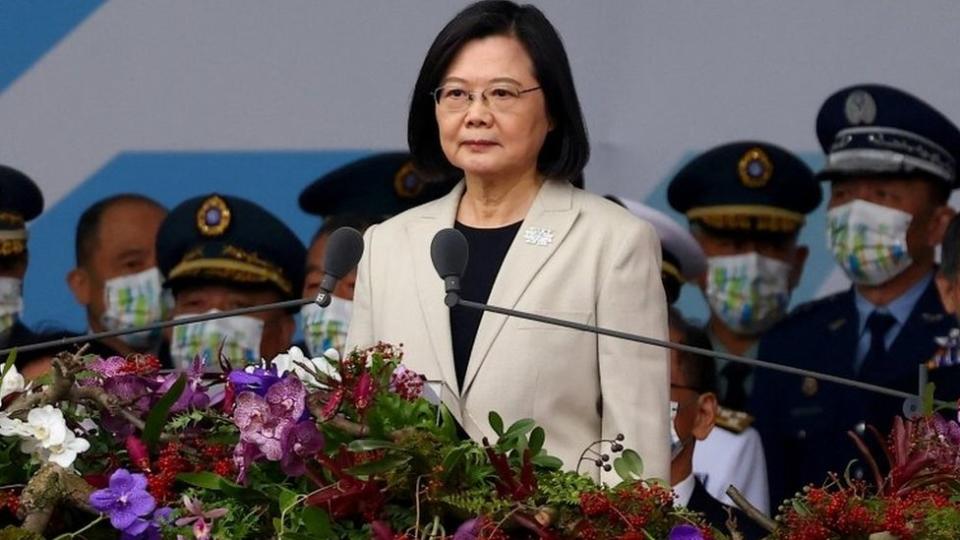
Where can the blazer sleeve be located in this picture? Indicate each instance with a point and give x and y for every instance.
(360, 333)
(635, 378)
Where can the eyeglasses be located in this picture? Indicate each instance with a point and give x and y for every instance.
(499, 97)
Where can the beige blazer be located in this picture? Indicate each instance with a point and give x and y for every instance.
(596, 263)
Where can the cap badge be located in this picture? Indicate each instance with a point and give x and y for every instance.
(213, 217)
(860, 108)
(755, 168)
(407, 183)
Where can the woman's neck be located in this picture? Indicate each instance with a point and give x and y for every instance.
(489, 203)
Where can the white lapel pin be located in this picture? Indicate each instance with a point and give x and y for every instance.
(538, 236)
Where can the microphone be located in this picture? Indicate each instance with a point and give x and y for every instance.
(343, 251)
(449, 252)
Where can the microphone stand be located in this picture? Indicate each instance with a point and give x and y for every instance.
(911, 405)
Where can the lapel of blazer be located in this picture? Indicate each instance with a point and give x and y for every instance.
(436, 216)
(841, 337)
(552, 214)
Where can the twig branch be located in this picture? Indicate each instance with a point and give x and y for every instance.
(750, 510)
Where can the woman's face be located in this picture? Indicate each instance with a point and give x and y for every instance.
(487, 139)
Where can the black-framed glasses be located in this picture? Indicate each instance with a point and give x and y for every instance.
(499, 97)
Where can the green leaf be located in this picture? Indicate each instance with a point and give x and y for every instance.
(287, 499)
(364, 445)
(388, 463)
(520, 427)
(448, 426)
(496, 423)
(158, 414)
(11, 360)
(451, 460)
(545, 461)
(317, 522)
(205, 480)
(629, 466)
(537, 437)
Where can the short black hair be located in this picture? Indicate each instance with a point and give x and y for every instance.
(698, 370)
(88, 227)
(334, 222)
(950, 250)
(566, 149)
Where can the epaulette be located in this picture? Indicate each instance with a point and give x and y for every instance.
(733, 421)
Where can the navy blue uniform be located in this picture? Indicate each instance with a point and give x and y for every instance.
(803, 422)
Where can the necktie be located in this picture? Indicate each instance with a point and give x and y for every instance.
(878, 324)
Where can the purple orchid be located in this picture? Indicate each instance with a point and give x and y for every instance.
(199, 517)
(194, 394)
(143, 529)
(302, 441)
(243, 455)
(108, 367)
(257, 380)
(685, 532)
(469, 529)
(125, 501)
(264, 421)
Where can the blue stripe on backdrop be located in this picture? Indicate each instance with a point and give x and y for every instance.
(272, 179)
(819, 263)
(31, 28)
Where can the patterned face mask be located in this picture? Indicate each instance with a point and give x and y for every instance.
(11, 302)
(869, 241)
(748, 292)
(325, 328)
(240, 336)
(134, 300)
(676, 445)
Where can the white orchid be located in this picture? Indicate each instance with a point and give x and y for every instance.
(13, 382)
(11, 427)
(65, 454)
(47, 426)
(293, 360)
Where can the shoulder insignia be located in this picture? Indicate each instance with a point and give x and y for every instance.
(733, 421)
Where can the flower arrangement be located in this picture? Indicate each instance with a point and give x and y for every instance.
(918, 499)
(295, 448)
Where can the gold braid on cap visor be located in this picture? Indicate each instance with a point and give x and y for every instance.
(13, 234)
(748, 217)
(233, 264)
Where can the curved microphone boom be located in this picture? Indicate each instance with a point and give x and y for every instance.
(343, 251)
(449, 252)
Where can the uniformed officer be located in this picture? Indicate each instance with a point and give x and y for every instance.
(746, 202)
(358, 194)
(891, 162)
(218, 253)
(116, 278)
(732, 454)
(20, 202)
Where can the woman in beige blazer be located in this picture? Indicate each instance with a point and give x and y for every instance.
(495, 100)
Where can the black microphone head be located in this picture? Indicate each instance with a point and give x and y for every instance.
(343, 251)
(449, 252)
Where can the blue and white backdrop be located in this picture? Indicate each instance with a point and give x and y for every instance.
(177, 98)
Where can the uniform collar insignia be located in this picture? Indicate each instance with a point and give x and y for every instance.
(837, 324)
(931, 317)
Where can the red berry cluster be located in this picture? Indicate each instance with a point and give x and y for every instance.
(166, 468)
(140, 364)
(10, 500)
(626, 513)
(830, 514)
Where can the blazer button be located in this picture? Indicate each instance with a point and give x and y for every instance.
(860, 428)
(802, 434)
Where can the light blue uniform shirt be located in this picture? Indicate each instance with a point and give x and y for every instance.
(900, 308)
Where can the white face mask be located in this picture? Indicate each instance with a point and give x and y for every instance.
(749, 292)
(134, 300)
(11, 302)
(240, 336)
(676, 445)
(325, 328)
(869, 241)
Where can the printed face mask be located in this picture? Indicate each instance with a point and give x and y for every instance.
(134, 300)
(676, 445)
(11, 302)
(869, 241)
(749, 292)
(325, 328)
(239, 335)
